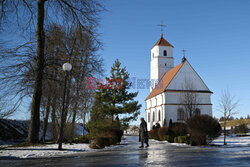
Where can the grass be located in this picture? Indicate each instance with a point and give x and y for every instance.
(236, 122)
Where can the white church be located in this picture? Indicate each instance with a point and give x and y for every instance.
(164, 103)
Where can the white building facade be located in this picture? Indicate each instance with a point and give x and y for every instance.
(164, 102)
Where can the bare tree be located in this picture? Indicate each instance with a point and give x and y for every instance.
(189, 100)
(228, 106)
(83, 13)
(6, 108)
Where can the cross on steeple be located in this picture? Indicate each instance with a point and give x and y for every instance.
(183, 51)
(183, 58)
(162, 25)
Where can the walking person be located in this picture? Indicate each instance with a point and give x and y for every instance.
(143, 133)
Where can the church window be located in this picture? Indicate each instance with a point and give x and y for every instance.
(159, 115)
(180, 114)
(153, 116)
(152, 55)
(197, 111)
(149, 117)
(165, 53)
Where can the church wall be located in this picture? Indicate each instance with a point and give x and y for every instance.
(169, 102)
(206, 109)
(154, 105)
(175, 97)
(171, 111)
(173, 103)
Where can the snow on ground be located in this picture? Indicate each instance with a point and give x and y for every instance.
(233, 141)
(43, 151)
(51, 150)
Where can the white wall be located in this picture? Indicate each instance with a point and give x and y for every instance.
(172, 98)
(154, 105)
(168, 104)
(160, 64)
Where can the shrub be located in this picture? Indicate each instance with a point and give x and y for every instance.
(163, 131)
(175, 139)
(82, 139)
(243, 128)
(105, 132)
(179, 129)
(101, 142)
(188, 140)
(203, 129)
(168, 138)
(114, 135)
(182, 139)
(118, 134)
(153, 134)
(156, 126)
(113, 140)
(170, 123)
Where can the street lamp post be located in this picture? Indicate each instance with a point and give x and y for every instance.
(66, 67)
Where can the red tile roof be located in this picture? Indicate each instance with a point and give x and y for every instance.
(165, 81)
(163, 42)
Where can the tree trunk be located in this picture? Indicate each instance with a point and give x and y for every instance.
(45, 121)
(73, 123)
(83, 121)
(67, 98)
(33, 136)
(225, 132)
(53, 119)
(74, 114)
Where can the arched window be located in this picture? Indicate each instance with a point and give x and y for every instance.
(180, 114)
(159, 115)
(153, 55)
(148, 116)
(197, 111)
(165, 53)
(153, 116)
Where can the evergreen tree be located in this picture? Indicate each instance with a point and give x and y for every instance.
(113, 98)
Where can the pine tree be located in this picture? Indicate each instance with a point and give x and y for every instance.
(113, 98)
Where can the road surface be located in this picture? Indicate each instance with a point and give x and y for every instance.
(160, 154)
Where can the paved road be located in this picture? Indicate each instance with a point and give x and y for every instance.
(158, 154)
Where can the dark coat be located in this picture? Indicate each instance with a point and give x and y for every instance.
(143, 132)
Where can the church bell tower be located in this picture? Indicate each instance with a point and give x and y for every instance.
(162, 60)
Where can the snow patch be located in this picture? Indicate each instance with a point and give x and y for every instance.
(50, 150)
(233, 141)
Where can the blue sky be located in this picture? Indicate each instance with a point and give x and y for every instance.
(215, 33)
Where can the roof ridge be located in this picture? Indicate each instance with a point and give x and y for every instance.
(163, 42)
